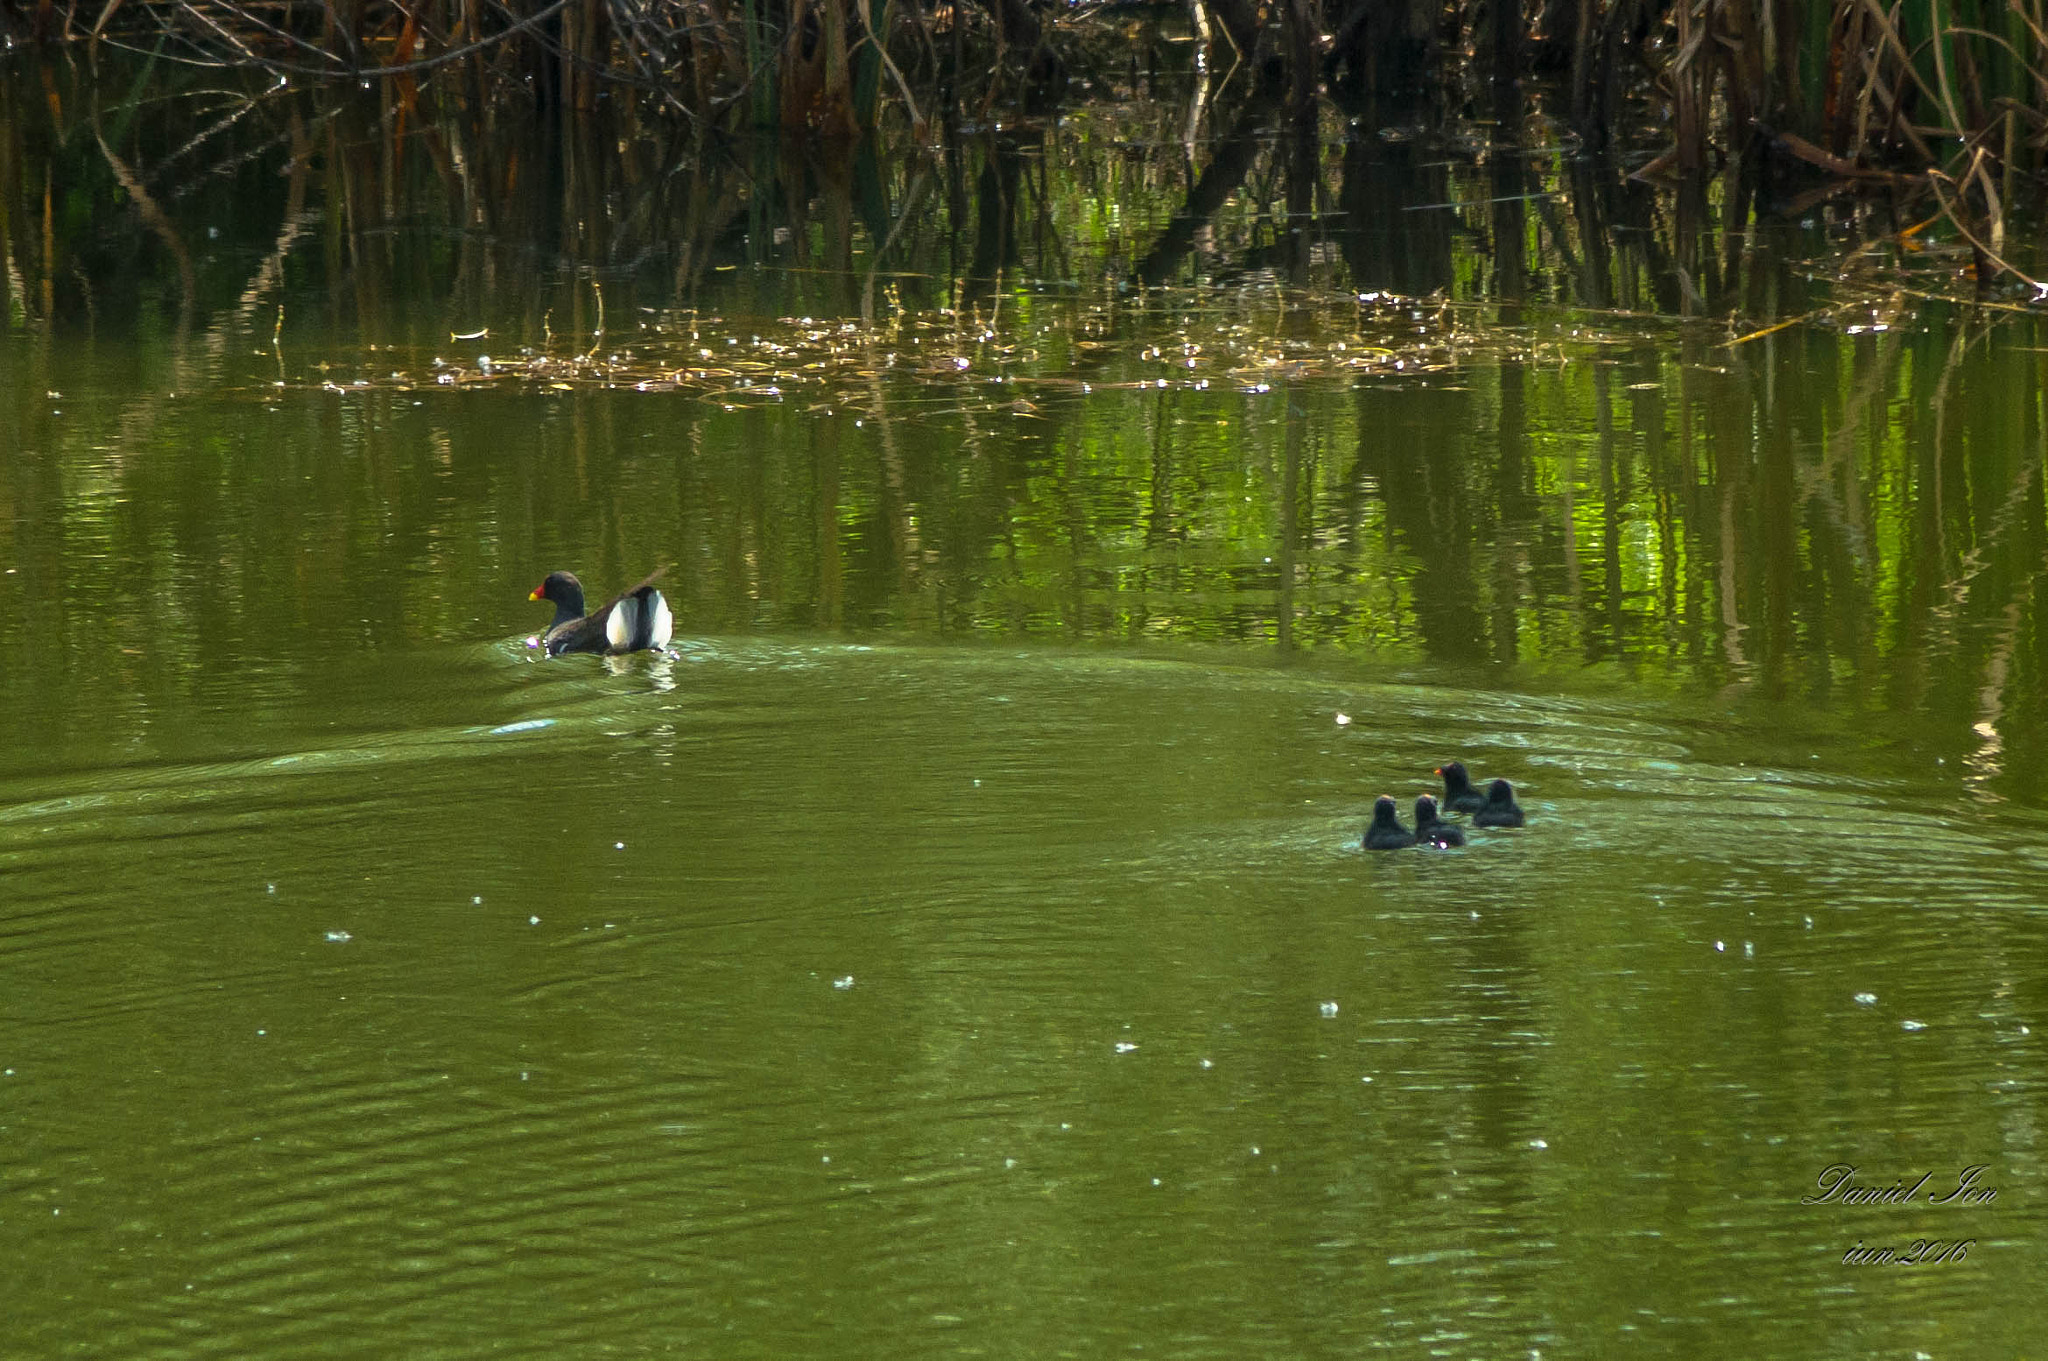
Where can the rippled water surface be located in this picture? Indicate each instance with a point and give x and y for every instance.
(959, 942)
(786, 996)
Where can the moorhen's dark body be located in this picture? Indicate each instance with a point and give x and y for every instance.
(638, 619)
(1431, 830)
(1459, 795)
(1386, 832)
(1501, 810)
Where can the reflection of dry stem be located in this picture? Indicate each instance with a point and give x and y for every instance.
(597, 335)
(270, 274)
(140, 417)
(160, 223)
(1987, 762)
(1943, 618)
(1731, 618)
(911, 200)
(1818, 482)
(904, 523)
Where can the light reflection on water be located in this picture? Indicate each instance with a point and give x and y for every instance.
(586, 1061)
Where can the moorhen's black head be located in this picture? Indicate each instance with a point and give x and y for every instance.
(565, 591)
(1431, 829)
(1386, 832)
(1459, 795)
(1501, 810)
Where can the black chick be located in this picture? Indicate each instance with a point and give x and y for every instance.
(1431, 830)
(1500, 809)
(1386, 832)
(1459, 795)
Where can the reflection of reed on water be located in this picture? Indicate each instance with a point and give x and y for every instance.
(1079, 378)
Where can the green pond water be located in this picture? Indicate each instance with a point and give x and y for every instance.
(959, 942)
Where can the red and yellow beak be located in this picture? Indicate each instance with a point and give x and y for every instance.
(536, 595)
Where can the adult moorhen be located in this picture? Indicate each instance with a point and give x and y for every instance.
(638, 619)
(1386, 832)
(1431, 830)
(1459, 795)
(1501, 810)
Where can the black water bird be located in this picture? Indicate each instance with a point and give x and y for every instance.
(1431, 830)
(1386, 832)
(637, 619)
(1459, 795)
(1501, 810)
